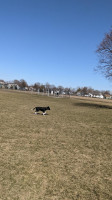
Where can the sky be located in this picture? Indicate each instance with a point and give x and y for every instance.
(53, 41)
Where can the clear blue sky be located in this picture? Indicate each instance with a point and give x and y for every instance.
(53, 41)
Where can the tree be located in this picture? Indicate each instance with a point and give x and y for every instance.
(90, 90)
(84, 91)
(23, 83)
(42, 88)
(96, 92)
(104, 51)
(17, 82)
(47, 87)
(60, 89)
(36, 86)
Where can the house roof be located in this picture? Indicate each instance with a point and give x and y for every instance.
(107, 95)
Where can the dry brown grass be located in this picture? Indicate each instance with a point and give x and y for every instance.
(64, 155)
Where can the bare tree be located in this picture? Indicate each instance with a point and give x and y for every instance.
(42, 88)
(96, 92)
(17, 82)
(23, 83)
(47, 87)
(90, 90)
(36, 86)
(104, 51)
(84, 91)
(60, 89)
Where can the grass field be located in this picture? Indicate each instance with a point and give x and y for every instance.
(64, 155)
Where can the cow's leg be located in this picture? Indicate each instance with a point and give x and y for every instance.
(44, 113)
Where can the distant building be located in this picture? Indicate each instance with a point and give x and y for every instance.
(52, 92)
(4, 85)
(12, 86)
(107, 96)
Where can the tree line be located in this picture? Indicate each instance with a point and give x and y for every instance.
(38, 87)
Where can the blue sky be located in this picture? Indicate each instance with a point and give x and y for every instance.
(53, 41)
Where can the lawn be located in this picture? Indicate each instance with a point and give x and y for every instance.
(64, 155)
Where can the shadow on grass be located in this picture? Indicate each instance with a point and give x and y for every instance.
(93, 105)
